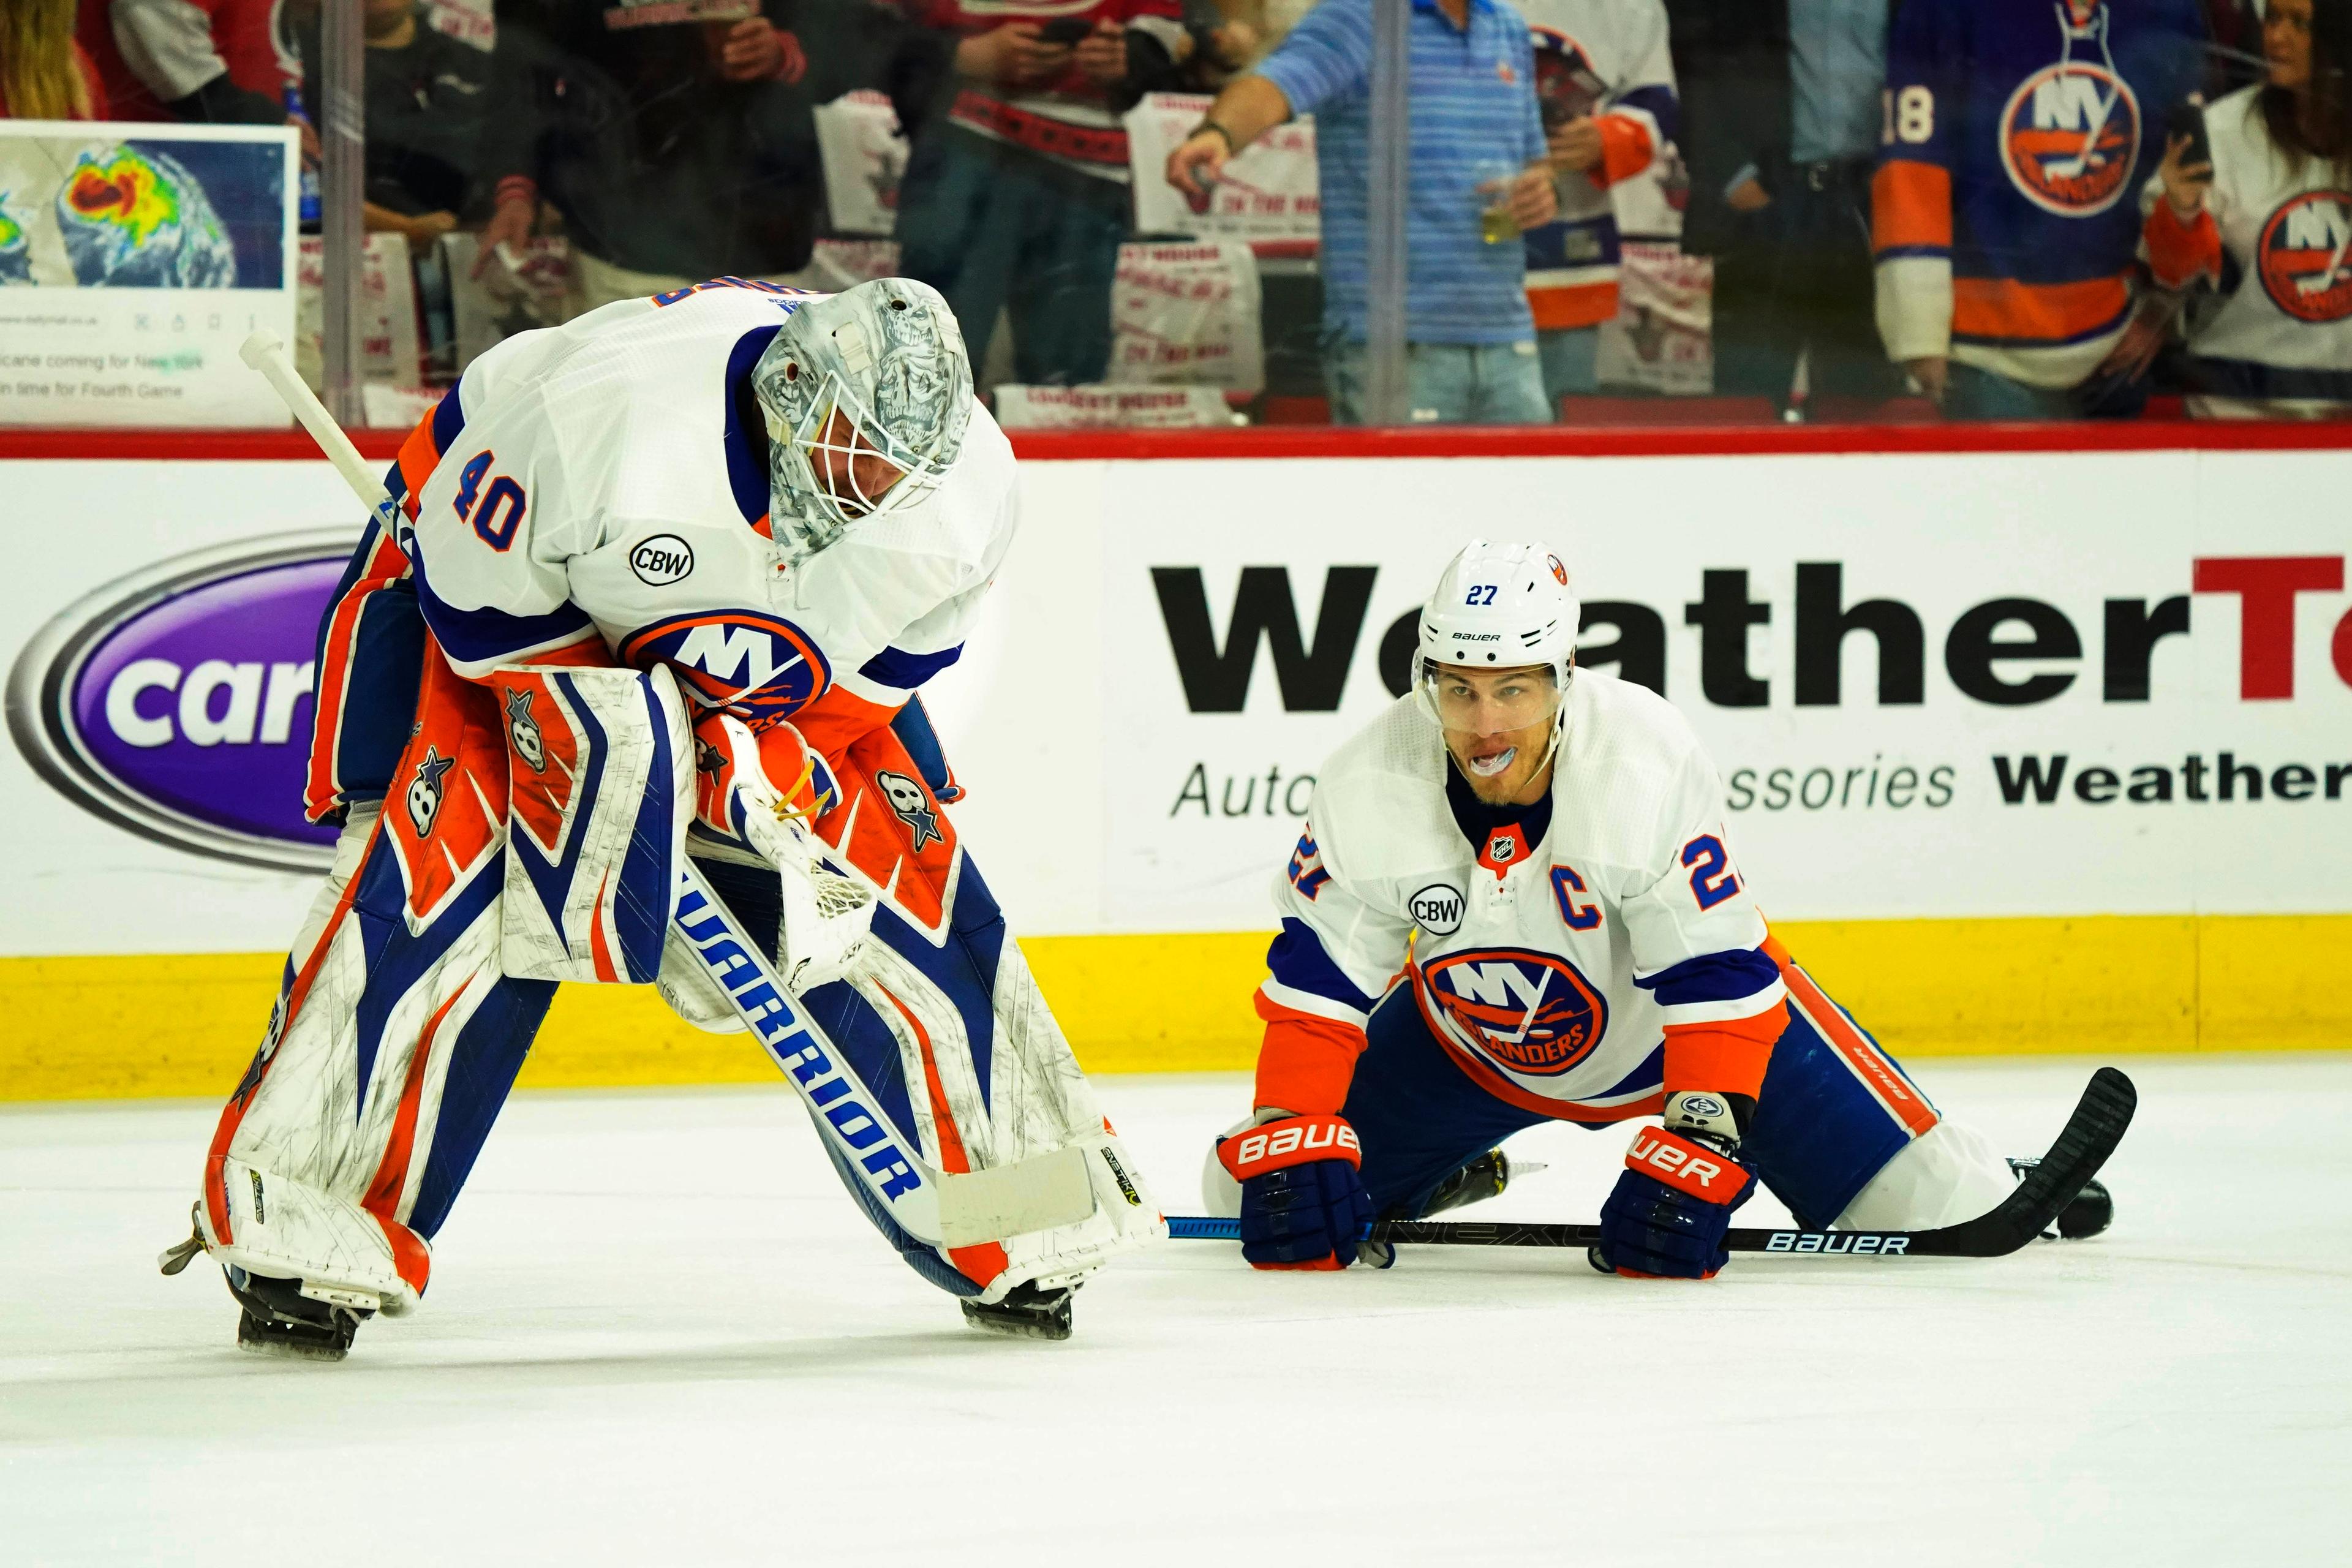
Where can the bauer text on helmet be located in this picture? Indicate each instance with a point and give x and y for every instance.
(866, 394)
(1497, 643)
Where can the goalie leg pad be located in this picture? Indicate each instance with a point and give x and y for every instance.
(600, 764)
(389, 1052)
(940, 1018)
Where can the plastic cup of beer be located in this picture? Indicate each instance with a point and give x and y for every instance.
(1496, 224)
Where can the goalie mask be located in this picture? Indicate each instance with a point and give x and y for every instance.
(866, 394)
(1499, 607)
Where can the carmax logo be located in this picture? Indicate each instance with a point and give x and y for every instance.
(176, 702)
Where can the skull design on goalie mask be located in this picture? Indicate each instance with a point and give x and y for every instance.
(866, 394)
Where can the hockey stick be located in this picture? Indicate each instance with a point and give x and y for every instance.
(2089, 1136)
(936, 1207)
(2321, 283)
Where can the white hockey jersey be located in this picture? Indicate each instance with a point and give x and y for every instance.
(1607, 58)
(602, 484)
(1554, 969)
(2275, 238)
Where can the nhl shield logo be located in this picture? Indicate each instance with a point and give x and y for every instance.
(1528, 1012)
(2070, 137)
(2303, 256)
(424, 791)
(522, 730)
(912, 807)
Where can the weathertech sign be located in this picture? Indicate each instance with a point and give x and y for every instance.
(1935, 695)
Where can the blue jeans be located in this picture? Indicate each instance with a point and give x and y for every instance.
(1572, 366)
(993, 232)
(1446, 384)
(1973, 394)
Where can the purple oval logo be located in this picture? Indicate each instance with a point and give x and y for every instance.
(176, 702)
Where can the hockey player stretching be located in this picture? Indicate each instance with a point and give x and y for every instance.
(659, 583)
(1515, 901)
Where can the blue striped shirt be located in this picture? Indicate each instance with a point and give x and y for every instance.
(1474, 119)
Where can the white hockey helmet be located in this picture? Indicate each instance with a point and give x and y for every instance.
(1498, 606)
(886, 354)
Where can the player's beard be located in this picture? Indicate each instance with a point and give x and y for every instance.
(1502, 770)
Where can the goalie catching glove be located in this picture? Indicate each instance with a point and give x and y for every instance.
(1668, 1215)
(1303, 1203)
(739, 773)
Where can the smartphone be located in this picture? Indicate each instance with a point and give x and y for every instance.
(2188, 119)
(1065, 30)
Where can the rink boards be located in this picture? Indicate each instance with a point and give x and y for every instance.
(2023, 750)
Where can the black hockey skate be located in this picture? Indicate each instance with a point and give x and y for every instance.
(274, 1317)
(279, 1319)
(2086, 1214)
(1027, 1313)
(1483, 1178)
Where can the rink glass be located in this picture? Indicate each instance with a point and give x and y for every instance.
(666, 172)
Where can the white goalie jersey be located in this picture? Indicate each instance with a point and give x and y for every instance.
(604, 484)
(1554, 955)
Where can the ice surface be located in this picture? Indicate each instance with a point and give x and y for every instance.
(659, 1334)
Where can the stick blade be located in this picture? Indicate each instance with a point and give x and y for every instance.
(1041, 1193)
(2090, 1135)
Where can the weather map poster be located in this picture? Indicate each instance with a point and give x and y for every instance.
(133, 260)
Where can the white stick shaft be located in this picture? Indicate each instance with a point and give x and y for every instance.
(265, 353)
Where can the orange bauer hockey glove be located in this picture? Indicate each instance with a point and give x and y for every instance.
(1303, 1203)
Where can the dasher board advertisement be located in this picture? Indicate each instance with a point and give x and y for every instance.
(1934, 685)
(133, 260)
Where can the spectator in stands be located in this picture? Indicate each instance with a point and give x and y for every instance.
(2267, 219)
(1227, 37)
(1018, 198)
(677, 151)
(2002, 214)
(1605, 86)
(215, 61)
(424, 97)
(1476, 168)
(43, 73)
(1780, 126)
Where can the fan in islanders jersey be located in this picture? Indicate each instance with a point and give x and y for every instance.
(1515, 902)
(657, 583)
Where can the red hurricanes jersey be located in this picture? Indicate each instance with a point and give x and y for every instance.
(1068, 119)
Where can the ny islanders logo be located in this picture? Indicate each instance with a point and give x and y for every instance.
(1568, 85)
(2302, 257)
(1529, 1012)
(744, 662)
(2069, 138)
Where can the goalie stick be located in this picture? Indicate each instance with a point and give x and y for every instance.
(2089, 1136)
(939, 1208)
